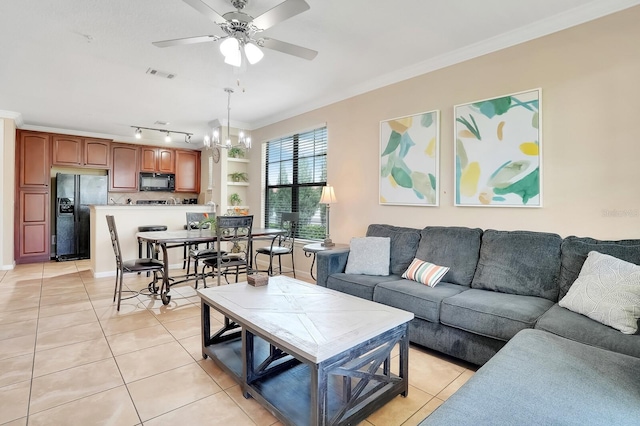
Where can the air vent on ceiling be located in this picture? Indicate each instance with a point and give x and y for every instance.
(161, 123)
(160, 73)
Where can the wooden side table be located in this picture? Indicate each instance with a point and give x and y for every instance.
(312, 249)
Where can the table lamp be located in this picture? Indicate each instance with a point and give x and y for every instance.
(328, 197)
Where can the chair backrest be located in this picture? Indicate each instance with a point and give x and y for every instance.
(234, 232)
(194, 220)
(113, 232)
(289, 222)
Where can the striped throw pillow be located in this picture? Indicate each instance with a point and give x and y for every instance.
(425, 272)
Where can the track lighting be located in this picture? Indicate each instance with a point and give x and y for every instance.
(167, 137)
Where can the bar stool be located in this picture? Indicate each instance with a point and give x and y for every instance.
(149, 228)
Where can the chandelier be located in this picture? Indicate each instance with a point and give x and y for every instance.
(214, 140)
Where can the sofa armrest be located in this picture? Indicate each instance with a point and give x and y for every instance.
(330, 262)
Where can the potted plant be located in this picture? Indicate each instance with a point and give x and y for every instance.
(239, 177)
(235, 199)
(208, 222)
(236, 152)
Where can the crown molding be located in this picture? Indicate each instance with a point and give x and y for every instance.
(15, 116)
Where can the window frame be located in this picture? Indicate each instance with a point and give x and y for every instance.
(319, 146)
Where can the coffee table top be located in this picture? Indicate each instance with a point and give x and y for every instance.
(304, 319)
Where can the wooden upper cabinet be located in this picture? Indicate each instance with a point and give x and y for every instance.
(96, 153)
(124, 168)
(166, 160)
(33, 160)
(79, 152)
(161, 160)
(67, 150)
(187, 171)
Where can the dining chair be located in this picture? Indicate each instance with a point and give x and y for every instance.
(131, 266)
(193, 250)
(234, 234)
(282, 244)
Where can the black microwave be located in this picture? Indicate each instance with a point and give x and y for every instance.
(157, 182)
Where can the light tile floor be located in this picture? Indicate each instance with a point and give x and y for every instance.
(67, 356)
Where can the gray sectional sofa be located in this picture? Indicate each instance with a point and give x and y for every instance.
(505, 285)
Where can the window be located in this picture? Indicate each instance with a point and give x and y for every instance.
(296, 171)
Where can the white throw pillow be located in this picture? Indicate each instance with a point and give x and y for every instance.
(608, 291)
(369, 256)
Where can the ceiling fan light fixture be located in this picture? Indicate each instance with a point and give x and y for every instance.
(229, 47)
(234, 59)
(253, 52)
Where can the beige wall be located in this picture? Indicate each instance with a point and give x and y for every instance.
(590, 83)
(7, 186)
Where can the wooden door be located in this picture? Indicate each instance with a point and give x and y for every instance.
(165, 160)
(32, 244)
(147, 159)
(33, 160)
(187, 171)
(67, 150)
(124, 168)
(96, 153)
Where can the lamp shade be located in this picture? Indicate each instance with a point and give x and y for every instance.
(253, 52)
(328, 195)
(229, 46)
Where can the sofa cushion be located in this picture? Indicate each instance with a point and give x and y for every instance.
(542, 379)
(571, 325)
(423, 301)
(576, 249)
(358, 285)
(404, 242)
(492, 314)
(452, 246)
(608, 291)
(368, 256)
(425, 272)
(519, 262)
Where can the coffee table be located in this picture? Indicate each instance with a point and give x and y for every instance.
(311, 355)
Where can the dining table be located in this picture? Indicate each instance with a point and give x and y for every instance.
(163, 240)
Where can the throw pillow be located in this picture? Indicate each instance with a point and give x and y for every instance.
(425, 272)
(369, 256)
(607, 290)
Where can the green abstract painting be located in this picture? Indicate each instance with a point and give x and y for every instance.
(409, 157)
(498, 154)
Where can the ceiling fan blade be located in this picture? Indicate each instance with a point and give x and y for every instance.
(288, 48)
(206, 11)
(188, 40)
(279, 13)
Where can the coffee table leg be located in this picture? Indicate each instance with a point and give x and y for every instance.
(404, 360)
(318, 394)
(248, 373)
(206, 327)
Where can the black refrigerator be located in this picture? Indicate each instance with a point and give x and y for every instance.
(74, 194)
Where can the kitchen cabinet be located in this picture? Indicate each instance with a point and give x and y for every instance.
(31, 225)
(124, 168)
(96, 153)
(161, 160)
(32, 222)
(33, 160)
(187, 171)
(79, 152)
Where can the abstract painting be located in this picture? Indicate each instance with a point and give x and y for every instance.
(409, 157)
(498, 153)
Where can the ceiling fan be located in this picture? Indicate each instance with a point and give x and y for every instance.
(241, 30)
